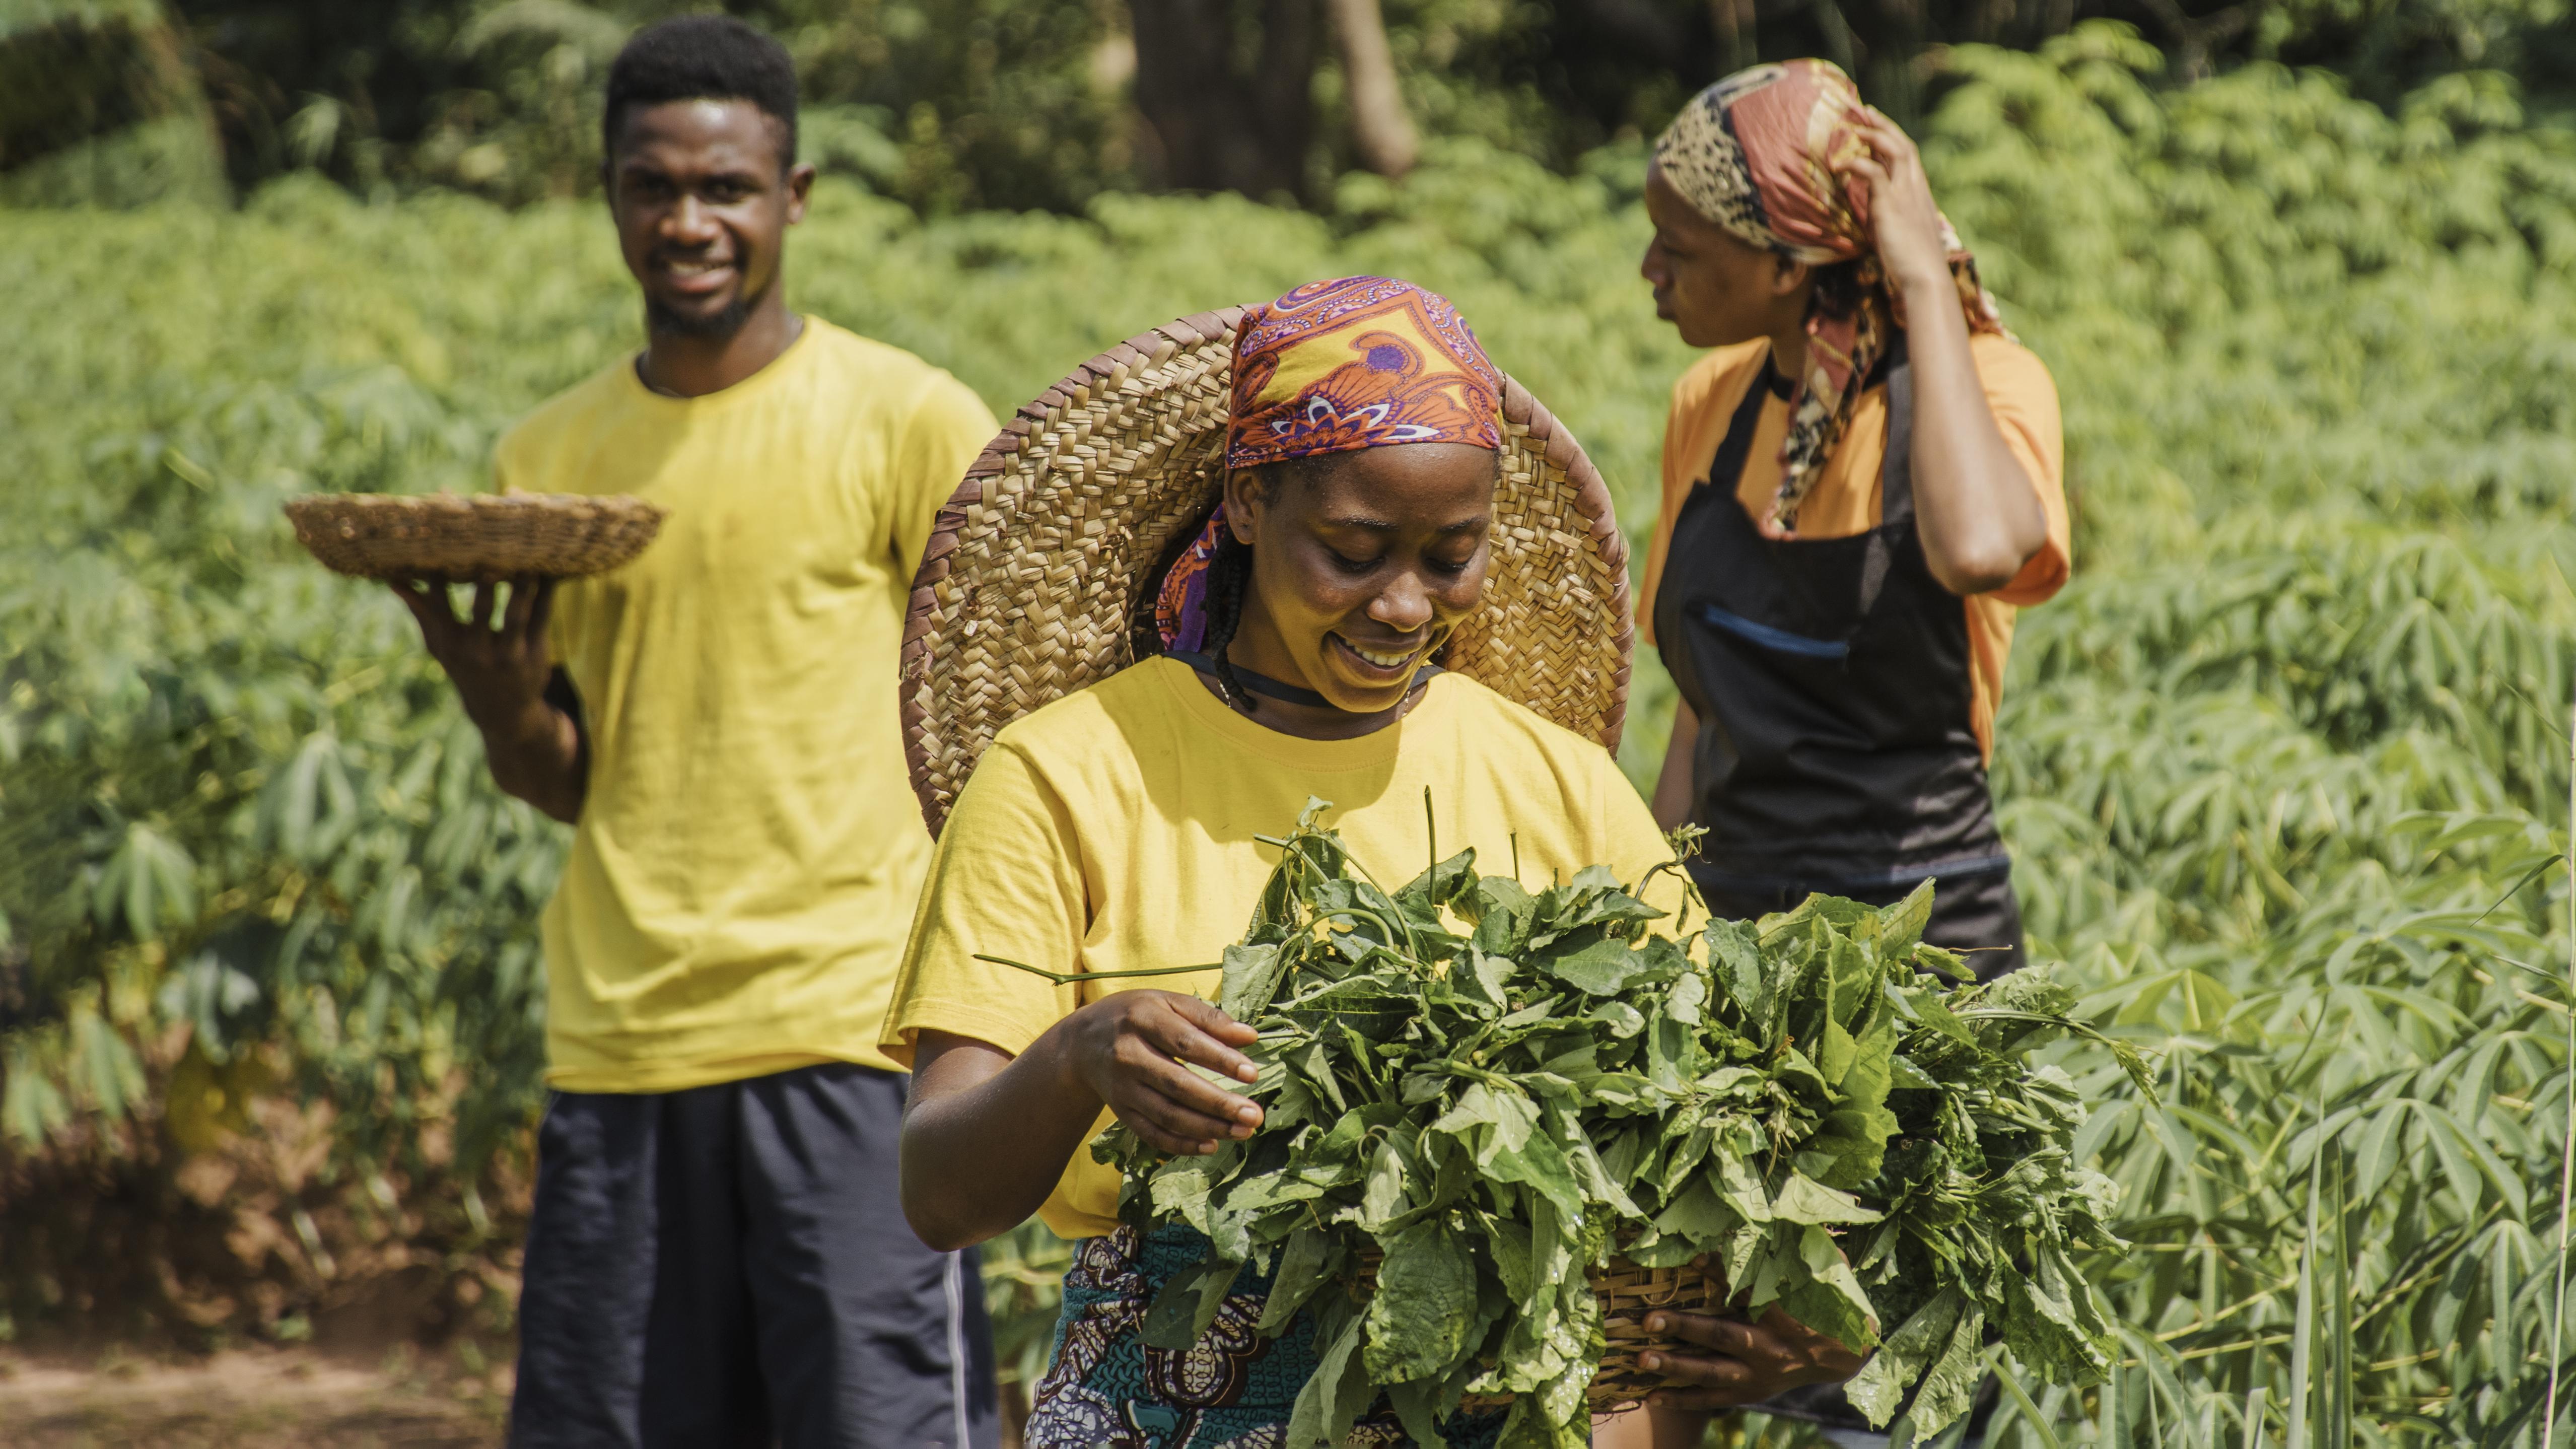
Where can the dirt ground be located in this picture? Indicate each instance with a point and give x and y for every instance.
(289, 1398)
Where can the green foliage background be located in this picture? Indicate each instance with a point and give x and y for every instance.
(2284, 767)
(952, 105)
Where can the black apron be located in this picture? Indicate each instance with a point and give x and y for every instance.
(1831, 681)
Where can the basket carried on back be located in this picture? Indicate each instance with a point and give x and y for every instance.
(1041, 564)
(477, 538)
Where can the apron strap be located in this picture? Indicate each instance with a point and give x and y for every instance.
(1896, 472)
(1726, 471)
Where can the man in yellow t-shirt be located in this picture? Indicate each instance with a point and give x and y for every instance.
(717, 1254)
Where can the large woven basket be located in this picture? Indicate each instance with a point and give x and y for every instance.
(1628, 1294)
(476, 538)
(1032, 583)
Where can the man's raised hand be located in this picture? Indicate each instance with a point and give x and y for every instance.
(498, 658)
(496, 654)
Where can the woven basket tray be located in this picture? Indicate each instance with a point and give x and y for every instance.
(1627, 1293)
(474, 538)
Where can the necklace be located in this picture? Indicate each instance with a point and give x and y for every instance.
(1263, 684)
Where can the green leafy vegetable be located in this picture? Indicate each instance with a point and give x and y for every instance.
(1491, 1090)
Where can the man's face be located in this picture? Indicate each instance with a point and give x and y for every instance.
(702, 207)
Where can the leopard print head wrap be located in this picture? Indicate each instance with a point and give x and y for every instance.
(1755, 154)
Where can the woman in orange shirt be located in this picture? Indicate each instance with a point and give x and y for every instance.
(1861, 484)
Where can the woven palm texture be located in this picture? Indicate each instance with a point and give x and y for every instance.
(477, 538)
(1030, 586)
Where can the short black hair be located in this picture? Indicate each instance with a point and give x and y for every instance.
(703, 57)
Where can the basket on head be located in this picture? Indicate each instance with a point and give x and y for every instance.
(1627, 1294)
(475, 538)
(1041, 564)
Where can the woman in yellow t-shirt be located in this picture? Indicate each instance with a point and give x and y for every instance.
(1113, 830)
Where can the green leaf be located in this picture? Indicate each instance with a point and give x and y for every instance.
(1188, 1303)
(1424, 1304)
(1306, 1263)
(1801, 1199)
(1338, 1393)
(1880, 1387)
(1949, 1387)
(1252, 977)
(1602, 968)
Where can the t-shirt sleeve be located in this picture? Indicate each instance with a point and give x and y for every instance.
(1629, 841)
(2024, 400)
(947, 429)
(1006, 880)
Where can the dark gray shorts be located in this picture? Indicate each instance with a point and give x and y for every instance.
(729, 1266)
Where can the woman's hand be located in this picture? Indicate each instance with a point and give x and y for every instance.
(986, 1134)
(1751, 1361)
(1904, 223)
(1130, 1048)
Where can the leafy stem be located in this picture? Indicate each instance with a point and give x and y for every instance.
(1067, 978)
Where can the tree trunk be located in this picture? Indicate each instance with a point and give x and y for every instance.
(1224, 125)
(1738, 44)
(1380, 130)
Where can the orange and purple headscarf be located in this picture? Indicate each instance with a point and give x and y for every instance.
(1333, 367)
(1755, 153)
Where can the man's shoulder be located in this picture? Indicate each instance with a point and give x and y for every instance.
(577, 413)
(877, 369)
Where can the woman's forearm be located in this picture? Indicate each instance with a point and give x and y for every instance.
(1976, 509)
(987, 1135)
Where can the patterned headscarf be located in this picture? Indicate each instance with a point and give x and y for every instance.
(1755, 153)
(1333, 367)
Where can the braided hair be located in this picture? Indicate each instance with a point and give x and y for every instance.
(1229, 573)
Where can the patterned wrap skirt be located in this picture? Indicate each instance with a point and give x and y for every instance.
(1104, 1389)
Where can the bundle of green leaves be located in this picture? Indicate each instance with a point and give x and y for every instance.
(1489, 1090)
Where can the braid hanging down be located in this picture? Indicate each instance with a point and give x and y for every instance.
(1228, 571)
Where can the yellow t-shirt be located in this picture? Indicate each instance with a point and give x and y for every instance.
(1114, 829)
(1844, 499)
(749, 848)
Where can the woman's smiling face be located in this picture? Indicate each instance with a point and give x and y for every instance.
(1362, 564)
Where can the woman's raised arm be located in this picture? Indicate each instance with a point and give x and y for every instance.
(1976, 509)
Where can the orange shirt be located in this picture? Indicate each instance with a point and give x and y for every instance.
(1844, 499)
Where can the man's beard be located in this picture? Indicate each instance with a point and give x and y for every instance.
(718, 325)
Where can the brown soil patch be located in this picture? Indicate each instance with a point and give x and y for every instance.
(289, 1398)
